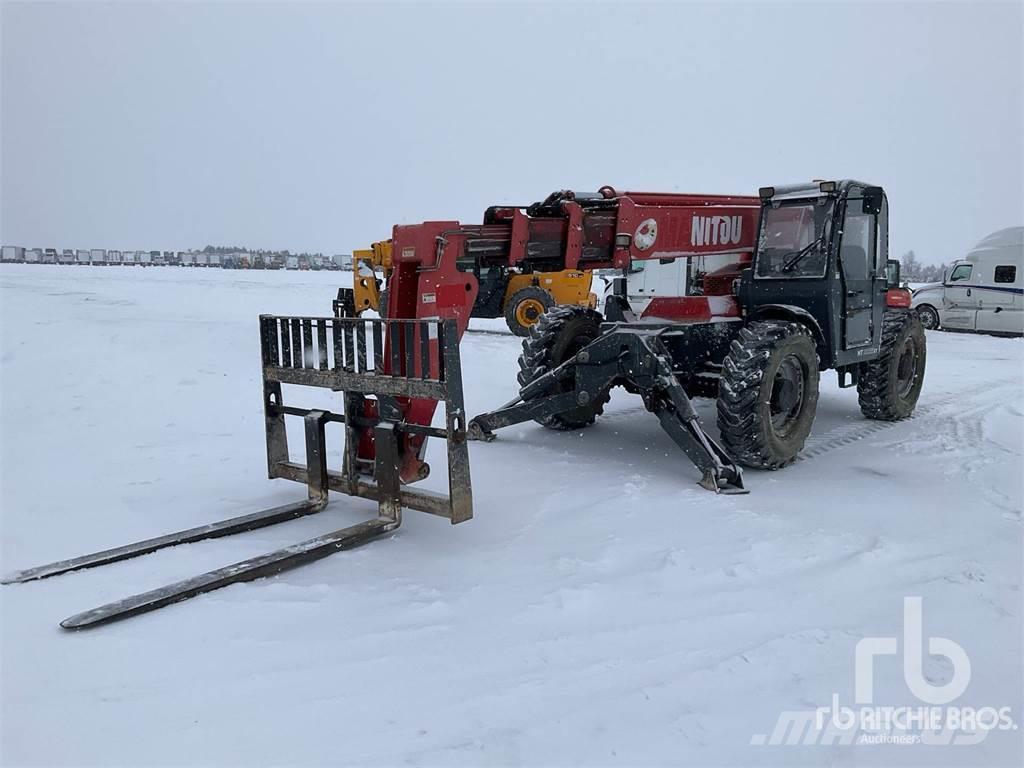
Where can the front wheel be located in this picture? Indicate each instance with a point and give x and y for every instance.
(524, 309)
(928, 316)
(559, 335)
(888, 386)
(768, 393)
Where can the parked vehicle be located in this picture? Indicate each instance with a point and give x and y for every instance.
(705, 275)
(66, 256)
(188, 259)
(129, 258)
(98, 256)
(13, 253)
(982, 292)
(82, 256)
(33, 256)
(202, 259)
(292, 262)
(49, 256)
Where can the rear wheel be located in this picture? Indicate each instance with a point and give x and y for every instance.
(768, 393)
(889, 386)
(560, 333)
(524, 309)
(928, 316)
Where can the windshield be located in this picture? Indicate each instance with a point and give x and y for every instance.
(793, 240)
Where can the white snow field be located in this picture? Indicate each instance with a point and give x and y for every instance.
(600, 609)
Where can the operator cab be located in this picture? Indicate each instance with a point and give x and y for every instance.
(822, 258)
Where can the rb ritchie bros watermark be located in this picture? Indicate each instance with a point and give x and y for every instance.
(933, 722)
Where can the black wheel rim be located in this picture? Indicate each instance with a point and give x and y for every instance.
(906, 368)
(574, 346)
(787, 398)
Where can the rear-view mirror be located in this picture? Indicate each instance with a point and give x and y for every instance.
(872, 200)
(892, 274)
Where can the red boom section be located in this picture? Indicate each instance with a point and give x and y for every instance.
(425, 283)
(566, 231)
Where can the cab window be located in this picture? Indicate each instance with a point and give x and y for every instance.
(962, 272)
(1006, 274)
(857, 248)
(792, 240)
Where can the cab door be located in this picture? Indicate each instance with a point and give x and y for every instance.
(858, 246)
(959, 302)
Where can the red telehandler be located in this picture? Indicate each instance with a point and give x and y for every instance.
(808, 287)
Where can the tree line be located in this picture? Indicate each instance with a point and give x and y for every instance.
(913, 270)
(228, 249)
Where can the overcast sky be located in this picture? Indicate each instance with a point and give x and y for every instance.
(319, 126)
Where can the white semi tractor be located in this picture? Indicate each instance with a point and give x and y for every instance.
(982, 292)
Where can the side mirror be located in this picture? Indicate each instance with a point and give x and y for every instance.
(892, 274)
(945, 277)
(872, 200)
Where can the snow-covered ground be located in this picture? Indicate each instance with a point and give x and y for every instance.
(600, 609)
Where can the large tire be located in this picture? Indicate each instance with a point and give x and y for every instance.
(928, 316)
(559, 335)
(525, 308)
(768, 393)
(888, 386)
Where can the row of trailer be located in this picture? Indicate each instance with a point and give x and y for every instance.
(103, 257)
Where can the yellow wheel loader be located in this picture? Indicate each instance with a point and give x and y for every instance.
(520, 296)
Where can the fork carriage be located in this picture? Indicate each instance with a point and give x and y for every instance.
(392, 374)
(398, 362)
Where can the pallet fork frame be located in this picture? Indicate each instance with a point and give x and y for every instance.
(391, 360)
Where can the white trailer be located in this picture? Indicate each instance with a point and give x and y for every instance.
(292, 262)
(214, 260)
(49, 256)
(67, 256)
(202, 259)
(82, 256)
(33, 255)
(114, 258)
(143, 258)
(188, 259)
(98, 256)
(13, 253)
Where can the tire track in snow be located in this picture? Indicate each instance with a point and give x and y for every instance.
(846, 434)
(968, 429)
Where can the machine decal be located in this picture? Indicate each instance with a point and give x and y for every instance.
(716, 230)
(646, 234)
